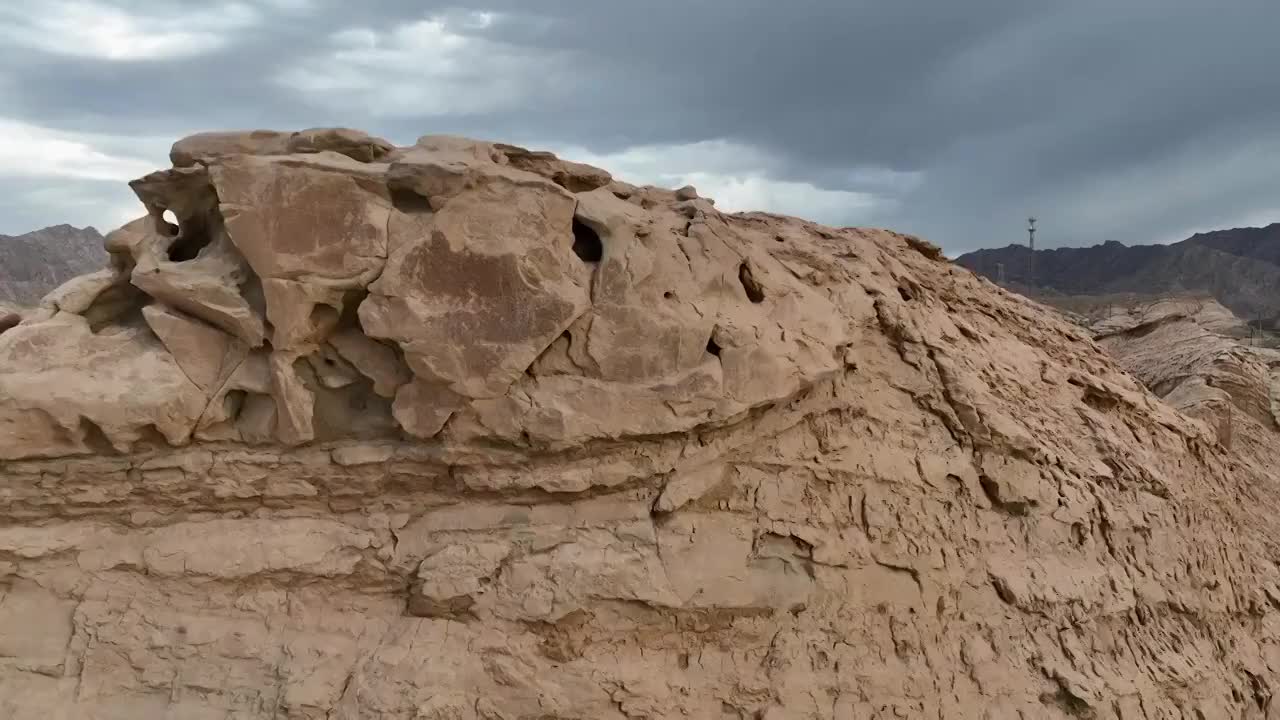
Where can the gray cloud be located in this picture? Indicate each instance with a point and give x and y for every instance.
(1135, 121)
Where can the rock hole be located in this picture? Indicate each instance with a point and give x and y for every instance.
(683, 661)
(668, 295)
(713, 347)
(1068, 703)
(9, 321)
(353, 410)
(779, 238)
(905, 294)
(1078, 534)
(351, 300)
(193, 236)
(150, 439)
(1100, 401)
(323, 321)
(991, 489)
(94, 438)
(168, 223)
(1003, 591)
(409, 201)
(755, 293)
(586, 243)
(233, 402)
(355, 401)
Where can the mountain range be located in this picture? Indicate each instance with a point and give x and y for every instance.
(1239, 267)
(37, 262)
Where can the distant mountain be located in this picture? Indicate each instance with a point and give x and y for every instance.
(37, 262)
(1239, 267)
(1259, 243)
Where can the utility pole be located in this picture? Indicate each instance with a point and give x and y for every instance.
(1031, 258)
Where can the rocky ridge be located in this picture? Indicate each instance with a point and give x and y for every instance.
(462, 430)
(36, 262)
(1238, 267)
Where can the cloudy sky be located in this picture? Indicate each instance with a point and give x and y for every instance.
(1134, 120)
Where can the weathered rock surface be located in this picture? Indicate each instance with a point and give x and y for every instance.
(1181, 350)
(465, 431)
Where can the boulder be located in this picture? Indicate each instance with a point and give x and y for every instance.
(66, 390)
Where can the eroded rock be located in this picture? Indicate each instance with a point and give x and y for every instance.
(68, 390)
(463, 430)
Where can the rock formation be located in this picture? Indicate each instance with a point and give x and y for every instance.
(465, 431)
(1180, 348)
(1201, 310)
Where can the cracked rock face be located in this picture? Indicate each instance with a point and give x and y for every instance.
(465, 431)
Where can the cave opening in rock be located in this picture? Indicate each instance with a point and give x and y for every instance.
(586, 243)
(409, 201)
(755, 293)
(94, 438)
(233, 402)
(193, 236)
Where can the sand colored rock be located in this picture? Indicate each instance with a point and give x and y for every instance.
(206, 354)
(1179, 348)
(66, 389)
(464, 431)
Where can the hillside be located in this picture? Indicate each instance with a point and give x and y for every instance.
(1190, 352)
(1257, 243)
(462, 431)
(37, 262)
(1240, 268)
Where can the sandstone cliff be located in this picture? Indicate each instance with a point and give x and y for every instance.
(460, 430)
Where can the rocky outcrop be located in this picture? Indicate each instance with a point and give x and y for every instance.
(462, 430)
(1180, 349)
(1204, 312)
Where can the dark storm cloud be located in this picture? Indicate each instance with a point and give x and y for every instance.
(1132, 120)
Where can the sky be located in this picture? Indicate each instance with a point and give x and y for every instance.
(1132, 120)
